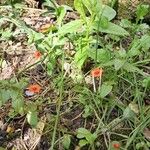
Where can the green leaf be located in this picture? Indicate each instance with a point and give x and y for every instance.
(70, 27)
(84, 133)
(118, 63)
(87, 111)
(103, 55)
(125, 23)
(6, 35)
(91, 5)
(66, 141)
(88, 5)
(18, 104)
(141, 11)
(105, 89)
(134, 50)
(32, 118)
(108, 12)
(128, 113)
(79, 7)
(146, 82)
(61, 11)
(4, 96)
(83, 142)
(145, 42)
(98, 8)
(34, 36)
(80, 57)
(132, 68)
(14, 94)
(104, 22)
(111, 29)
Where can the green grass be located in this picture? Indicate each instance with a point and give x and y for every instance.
(116, 112)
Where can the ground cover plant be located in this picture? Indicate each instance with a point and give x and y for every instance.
(74, 77)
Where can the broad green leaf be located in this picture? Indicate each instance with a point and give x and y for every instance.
(14, 94)
(105, 89)
(103, 55)
(145, 42)
(83, 142)
(18, 104)
(87, 111)
(108, 12)
(146, 82)
(90, 5)
(98, 8)
(111, 29)
(91, 138)
(61, 14)
(84, 133)
(125, 23)
(142, 10)
(128, 113)
(79, 7)
(32, 118)
(134, 50)
(118, 63)
(80, 57)
(104, 22)
(66, 141)
(4, 96)
(70, 27)
(34, 36)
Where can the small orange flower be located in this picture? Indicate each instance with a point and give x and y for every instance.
(37, 54)
(97, 72)
(34, 88)
(116, 145)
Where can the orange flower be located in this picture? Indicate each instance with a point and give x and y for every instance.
(116, 145)
(34, 88)
(97, 72)
(37, 54)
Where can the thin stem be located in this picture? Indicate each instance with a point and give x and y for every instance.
(59, 105)
(100, 81)
(94, 86)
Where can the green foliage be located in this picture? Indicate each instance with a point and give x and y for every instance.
(141, 11)
(66, 141)
(103, 55)
(111, 28)
(86, 137)
(71, 27)
(105, 90)
(32, 118)
(9, 90)
(121, 49)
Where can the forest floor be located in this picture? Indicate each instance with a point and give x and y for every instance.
(47, 102)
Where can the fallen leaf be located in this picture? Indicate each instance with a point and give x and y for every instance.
(146, 133)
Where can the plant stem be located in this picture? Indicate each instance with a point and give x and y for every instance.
(59, 105)
(94, 86)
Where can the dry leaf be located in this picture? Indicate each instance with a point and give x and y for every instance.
(146, 133)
